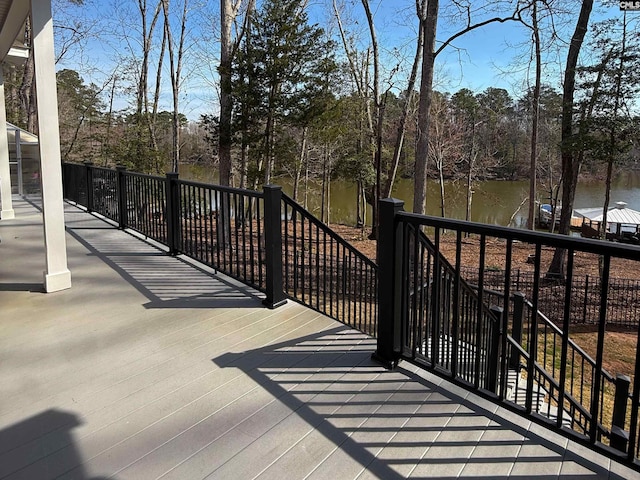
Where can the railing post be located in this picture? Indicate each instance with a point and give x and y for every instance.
(173, 212)
(516, 328)
(493, 355)
(89, 179)
(619, 436)
(389, 256)
(273, 246)
(122, 197)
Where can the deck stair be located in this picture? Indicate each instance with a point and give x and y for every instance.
(516, 389)
(517, 393)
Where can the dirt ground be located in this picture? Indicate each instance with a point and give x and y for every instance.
(584, 264)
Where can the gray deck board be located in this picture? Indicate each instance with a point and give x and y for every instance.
(151, 367)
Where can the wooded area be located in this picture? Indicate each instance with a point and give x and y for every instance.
(326, 98)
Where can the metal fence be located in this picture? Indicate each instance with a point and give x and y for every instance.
(264, 239)
(224, 227)
(325, 272)
(473, 326)
(623, 295)
(432, 315)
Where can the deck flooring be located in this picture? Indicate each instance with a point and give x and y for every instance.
(152, 367)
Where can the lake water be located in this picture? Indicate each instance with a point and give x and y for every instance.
(494, 201)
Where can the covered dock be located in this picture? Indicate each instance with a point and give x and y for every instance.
(623, 223)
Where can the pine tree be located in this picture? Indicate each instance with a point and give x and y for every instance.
(282, 71)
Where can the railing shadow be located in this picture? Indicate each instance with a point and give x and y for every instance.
(168, 282)
(21, 287)
(12, 437)
(390, 424)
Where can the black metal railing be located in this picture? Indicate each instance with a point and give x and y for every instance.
(224, 227)
(577, 366)
(263, 239)
(431, 315)
(104, 198)
(74, 182)
(448, 325)
(144, 205)
(444, 313)
(322, 270)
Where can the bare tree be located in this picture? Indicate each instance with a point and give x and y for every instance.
(427, 11)
(175, 65)
(229, 10)
(402, 124)
(571, 159)
(535, 111)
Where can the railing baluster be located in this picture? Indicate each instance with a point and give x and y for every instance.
(565, 338)
(480, 313)
(533, 332)
(456, 311)
(634, 432)
(413, 268)
(505, 320)
(595, 404)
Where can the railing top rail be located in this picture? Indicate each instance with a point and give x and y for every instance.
(221, 188)
(600, 247)
(317, 222)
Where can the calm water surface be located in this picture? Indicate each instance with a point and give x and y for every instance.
(494, 201)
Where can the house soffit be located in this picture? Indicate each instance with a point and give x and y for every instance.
(13, 14)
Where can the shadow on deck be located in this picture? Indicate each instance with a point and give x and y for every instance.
(150, 367)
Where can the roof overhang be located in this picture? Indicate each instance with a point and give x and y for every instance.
(13, 15)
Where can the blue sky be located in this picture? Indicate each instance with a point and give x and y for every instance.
(486, 57)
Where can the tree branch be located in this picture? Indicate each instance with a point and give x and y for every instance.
(514, 17)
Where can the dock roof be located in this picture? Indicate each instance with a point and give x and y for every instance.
(616, 214)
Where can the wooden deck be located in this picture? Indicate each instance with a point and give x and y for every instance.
(151, 367)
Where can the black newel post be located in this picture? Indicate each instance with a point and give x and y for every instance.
(389, 256)
(493, 360)
(273, 246)
(88, 168)
(173, 213)
(516, 332)
(122, 197)
(619, 436)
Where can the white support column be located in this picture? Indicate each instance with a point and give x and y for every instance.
(5, 175)
(56, 275)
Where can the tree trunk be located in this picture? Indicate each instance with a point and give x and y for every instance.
(441, 181)
(379, 118)
(397, 149)
(472, 158)
(570, 158)
(612, 132)
(429, 17)
(534, 123)
(300, 163)
(175, 65)
(227, 15)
